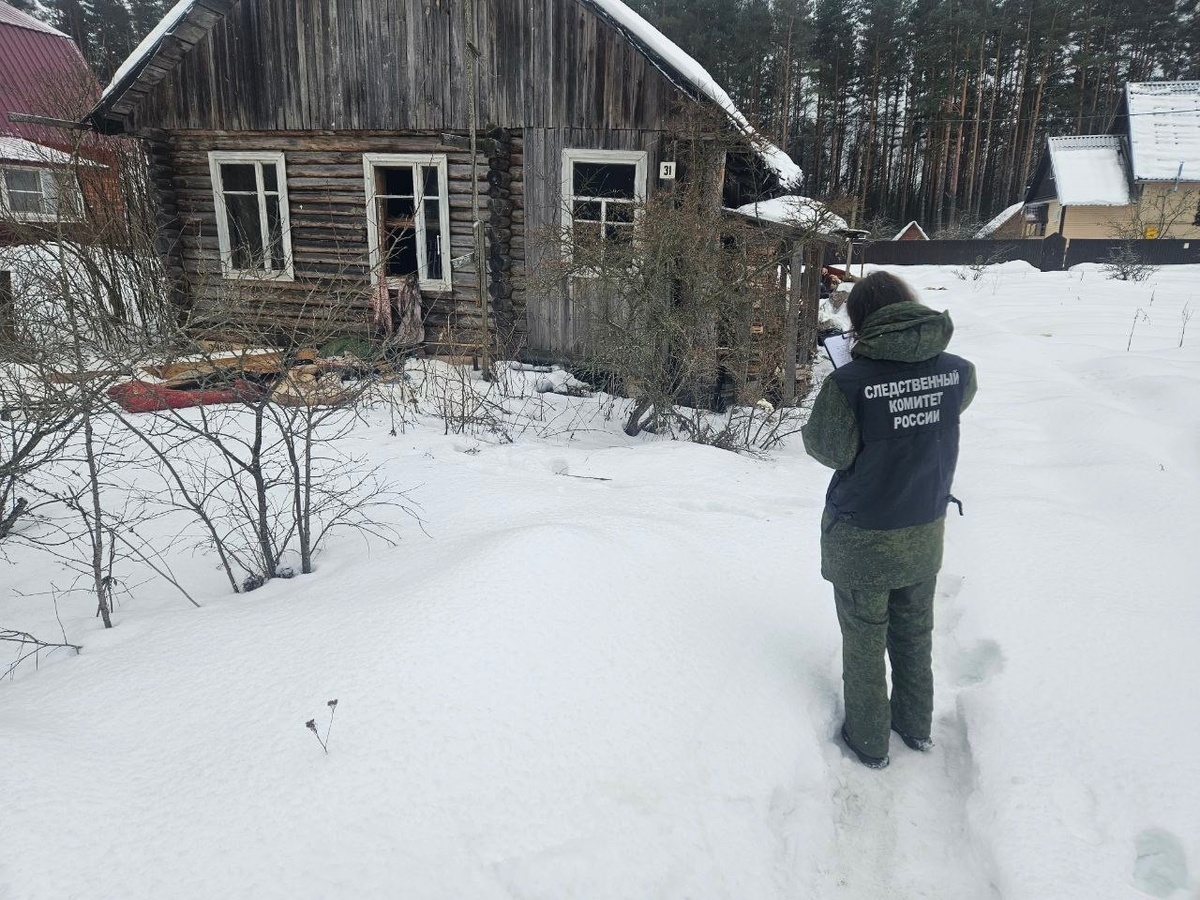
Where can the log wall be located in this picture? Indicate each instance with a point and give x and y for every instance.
(327, 80)
(327, 209)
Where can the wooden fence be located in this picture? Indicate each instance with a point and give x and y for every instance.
(1050, 254)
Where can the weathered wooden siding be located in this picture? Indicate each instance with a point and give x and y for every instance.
(327, 80)
(397, 65)
(557, 325)
(327, 202)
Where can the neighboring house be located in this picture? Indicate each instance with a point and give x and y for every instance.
(1007, 224)
(1142, 180)
(41, 73)
(318, 148)
(911, 232)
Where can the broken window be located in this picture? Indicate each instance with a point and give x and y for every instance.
(602, 190)
(252, 214)
(39, 194)
(408, 218)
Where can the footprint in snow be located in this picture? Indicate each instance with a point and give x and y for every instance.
(978, 663)
(1160, 864)
(949, 612)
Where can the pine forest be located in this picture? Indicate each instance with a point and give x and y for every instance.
(896, 109)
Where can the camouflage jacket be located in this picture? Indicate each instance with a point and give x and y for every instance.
(854, 557)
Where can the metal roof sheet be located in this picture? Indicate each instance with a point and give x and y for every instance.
(1164, 130)
(1090, 170)
(10, 15)
(40, 68)
(15, 149)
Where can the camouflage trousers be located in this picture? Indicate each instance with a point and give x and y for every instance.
(900, 623)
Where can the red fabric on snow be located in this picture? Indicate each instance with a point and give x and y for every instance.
(141, 396)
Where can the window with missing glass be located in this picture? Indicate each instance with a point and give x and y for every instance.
(39, 195)
(250, 190)
(408, 218)
(602, 191)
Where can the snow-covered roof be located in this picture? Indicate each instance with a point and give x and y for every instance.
(669, 58)
(1090, 170)
(912, 224)
(1007, 213)
(15, 149)
(1164, 130)
(799, 212)
(660, 48)
(143, 51)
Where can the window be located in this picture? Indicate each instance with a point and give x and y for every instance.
(408, 218)
(39, 195)
(250, 190)
(602, 190)
(1036, 220)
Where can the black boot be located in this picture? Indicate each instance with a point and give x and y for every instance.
(871, 762)
(921, 745)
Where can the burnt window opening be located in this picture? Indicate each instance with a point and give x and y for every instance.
(409, 218)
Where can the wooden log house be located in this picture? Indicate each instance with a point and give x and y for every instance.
(310, 148)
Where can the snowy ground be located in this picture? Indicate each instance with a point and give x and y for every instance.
(629, 688)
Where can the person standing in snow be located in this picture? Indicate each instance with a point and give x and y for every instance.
(887, 422)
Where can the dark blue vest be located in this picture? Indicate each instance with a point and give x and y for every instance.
(907, 416)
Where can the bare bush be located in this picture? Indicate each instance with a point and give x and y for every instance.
(267, 474)
(1125, 263)
(680, 311)
(270, 471)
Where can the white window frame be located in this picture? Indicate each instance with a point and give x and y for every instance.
(216, 158)
(572, 155)
(62, 176)
(371, 161)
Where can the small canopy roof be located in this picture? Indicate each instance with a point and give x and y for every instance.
(1164, 130)
(1003, 216)
(19, 150)
(796, 212)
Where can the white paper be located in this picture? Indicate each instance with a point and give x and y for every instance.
(838, 347)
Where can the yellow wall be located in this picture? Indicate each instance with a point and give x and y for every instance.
(1096, 221)
(1161, 212)
(1171, 211)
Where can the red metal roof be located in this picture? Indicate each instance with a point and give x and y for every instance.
(41, 72)
(10, 15)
